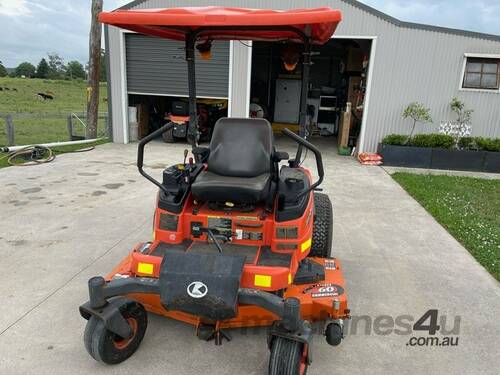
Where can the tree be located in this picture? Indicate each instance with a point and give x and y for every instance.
(464, 116)
(25, 69)
(42, 70)
(74, 69)
(3, 71)
(56, 66)
(94, 70)
(418, 113)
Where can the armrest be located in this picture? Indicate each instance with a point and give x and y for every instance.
(280, 155)
(200, 154)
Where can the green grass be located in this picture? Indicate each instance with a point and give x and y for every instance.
(47, 122)
(469, 208)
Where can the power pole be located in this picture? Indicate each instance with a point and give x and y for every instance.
(94, 71)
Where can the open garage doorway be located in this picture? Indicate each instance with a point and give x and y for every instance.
(337, 92)
(148, 113)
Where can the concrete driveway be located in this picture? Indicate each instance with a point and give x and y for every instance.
(74, 218)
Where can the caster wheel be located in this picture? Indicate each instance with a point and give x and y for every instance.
(106, 346)
(288, 357)
(333, 334)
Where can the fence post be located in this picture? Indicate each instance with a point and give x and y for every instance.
(106, 125)
(10, 130)
(70, 127)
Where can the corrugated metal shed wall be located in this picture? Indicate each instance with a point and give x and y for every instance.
(157, 66)
(410, 65)
(117, 89)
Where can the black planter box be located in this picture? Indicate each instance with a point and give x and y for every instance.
(457, 160)
(438, 158)
(492, 162)
(404, 156)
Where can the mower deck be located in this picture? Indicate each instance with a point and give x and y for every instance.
(320, 300)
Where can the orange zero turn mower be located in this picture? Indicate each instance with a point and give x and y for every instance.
(242, 238)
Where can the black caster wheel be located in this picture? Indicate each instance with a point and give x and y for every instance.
(288, 357)
(106, 346)
(333, 334)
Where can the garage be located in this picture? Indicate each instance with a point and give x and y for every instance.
(336, 92)
(157, 85)
(375, 62)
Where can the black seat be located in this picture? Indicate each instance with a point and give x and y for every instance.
(239, 164)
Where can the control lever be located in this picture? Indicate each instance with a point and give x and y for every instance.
(212, 237)
(185, 156)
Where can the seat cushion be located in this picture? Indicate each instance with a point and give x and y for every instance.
(216, 188)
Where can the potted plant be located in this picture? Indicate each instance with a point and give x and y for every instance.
(395, 150)
(458, 158)
(490, 148)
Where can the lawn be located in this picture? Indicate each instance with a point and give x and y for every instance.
(39, 121)
(469, 208)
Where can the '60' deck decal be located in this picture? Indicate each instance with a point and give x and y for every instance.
(324, 290)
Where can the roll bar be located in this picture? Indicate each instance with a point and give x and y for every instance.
(301, 142)
(140, 153)
(317, 154)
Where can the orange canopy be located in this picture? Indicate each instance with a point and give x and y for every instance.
(228, 23)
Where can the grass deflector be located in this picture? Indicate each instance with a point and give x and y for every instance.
(239, 240)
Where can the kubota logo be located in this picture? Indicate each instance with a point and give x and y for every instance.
(197, 289)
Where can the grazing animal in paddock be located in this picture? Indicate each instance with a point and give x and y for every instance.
(44, 96)
(6, 88)
(1, 88)
(49, 93)
(14, 89)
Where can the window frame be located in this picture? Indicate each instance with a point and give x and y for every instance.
(483, 57)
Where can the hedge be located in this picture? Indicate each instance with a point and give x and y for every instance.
(479, 144)
(420, 140)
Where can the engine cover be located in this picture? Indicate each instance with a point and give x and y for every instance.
(205, 285)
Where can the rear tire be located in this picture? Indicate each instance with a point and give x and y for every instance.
(106, 346)
(322, 227)
(287, 357)
(168, 136)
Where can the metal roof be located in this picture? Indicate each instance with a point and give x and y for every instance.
(387, 18)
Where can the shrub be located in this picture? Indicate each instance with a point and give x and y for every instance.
(488, 144)
(394, 139)
(433, 140)
(479, 144)
(468, 143)
(444, 141)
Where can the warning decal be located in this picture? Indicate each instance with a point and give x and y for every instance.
(324, 290)
(330, 264)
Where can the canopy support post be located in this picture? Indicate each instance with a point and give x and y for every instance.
(306, 68)
(193, 116)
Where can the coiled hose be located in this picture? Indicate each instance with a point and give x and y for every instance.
(35, 155)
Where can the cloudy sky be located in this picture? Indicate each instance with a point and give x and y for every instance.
(31, 28)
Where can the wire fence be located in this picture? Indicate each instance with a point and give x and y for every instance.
(31, 128)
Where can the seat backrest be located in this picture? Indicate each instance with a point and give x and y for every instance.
(241, 147)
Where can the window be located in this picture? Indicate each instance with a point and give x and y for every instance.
(482, 73)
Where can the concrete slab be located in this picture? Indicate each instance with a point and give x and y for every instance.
(66, 221)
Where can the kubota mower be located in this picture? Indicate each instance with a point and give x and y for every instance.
(239, 241)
